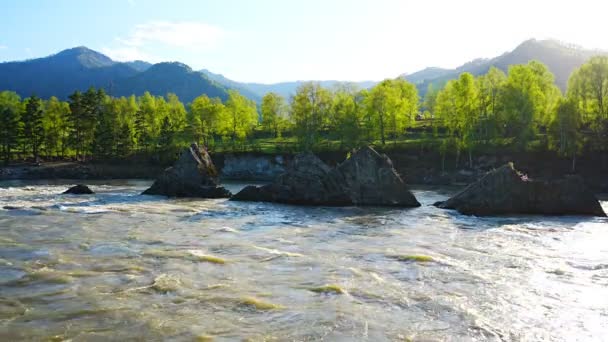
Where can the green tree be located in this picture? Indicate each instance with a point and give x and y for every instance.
(528, 99)
(241, 118)
(145, 121)
(588, 88)
(10, 124)
(458, 108)
(490, 86)
(205, 118)
(274, 113)
(344, 118)
(565, 130)
(55, 121)
(33, 128)
(309, 108)
(392, 105)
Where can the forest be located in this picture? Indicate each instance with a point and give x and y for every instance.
(521, 110)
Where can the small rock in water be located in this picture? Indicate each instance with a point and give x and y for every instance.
(192, 175)
(79, 189)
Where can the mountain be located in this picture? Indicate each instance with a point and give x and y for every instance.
(256, 91)
(169, 77)
(139, 65)
(559, 57)
(228, 83)
(80, 68)
(61, 74)
(287, 89)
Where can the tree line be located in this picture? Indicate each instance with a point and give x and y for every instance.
(522, 108)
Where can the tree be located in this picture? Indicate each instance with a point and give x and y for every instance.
(528, 99)
(344, 118)
(309, 108)
(242, 116)
(55, 122)
(205, 118)
(467, 113)
(391, 105)
(85, 110)
(490, 87)
(565, 130)
(33, 128)
(10, 125)
(167, 134)
(145, 121)
(274, 113)
(588, 88)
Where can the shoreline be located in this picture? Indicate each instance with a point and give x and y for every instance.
(417, 169)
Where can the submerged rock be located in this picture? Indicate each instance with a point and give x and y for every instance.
(192, 175)
(506, 191)
(366, 178)
(79, 189)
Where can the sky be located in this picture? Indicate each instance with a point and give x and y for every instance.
(285, 40)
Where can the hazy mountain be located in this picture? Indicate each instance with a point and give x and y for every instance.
(287, 89)
(228, 83)
(139, 65)
(63, 73)
(173, 77)
(559, 57)
(256, 91)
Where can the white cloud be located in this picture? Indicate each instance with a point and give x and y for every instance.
(147, 41)
(185, 34)
(2, 47)
(125, 54)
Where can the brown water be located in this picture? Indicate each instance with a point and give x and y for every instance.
(120, 266)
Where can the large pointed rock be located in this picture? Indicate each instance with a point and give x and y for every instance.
(366, 178)
(506, 191)
(369, 178)
(192, 175)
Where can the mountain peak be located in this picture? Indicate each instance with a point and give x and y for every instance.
(85, 56)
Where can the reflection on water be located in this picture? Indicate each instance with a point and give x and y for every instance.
(119, 266)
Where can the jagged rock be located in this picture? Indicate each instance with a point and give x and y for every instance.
(366, 178)
(79, 189)
(369, 178)
(506, 191)
(305, 182)
(192, 175)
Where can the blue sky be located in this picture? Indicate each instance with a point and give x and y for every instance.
(273, 40)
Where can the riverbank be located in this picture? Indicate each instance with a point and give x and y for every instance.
(417, 167)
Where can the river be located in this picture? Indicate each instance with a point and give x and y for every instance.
(120, 266)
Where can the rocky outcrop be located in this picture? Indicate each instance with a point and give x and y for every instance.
(192, 175)
(369, 178)
(366, 178)
(506, 191)
(79, 189)
(305, 182)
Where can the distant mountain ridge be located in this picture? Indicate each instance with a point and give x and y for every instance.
(285, 89)
(80, 68)
(562, 59)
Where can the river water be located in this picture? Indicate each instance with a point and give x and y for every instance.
(120, 266)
